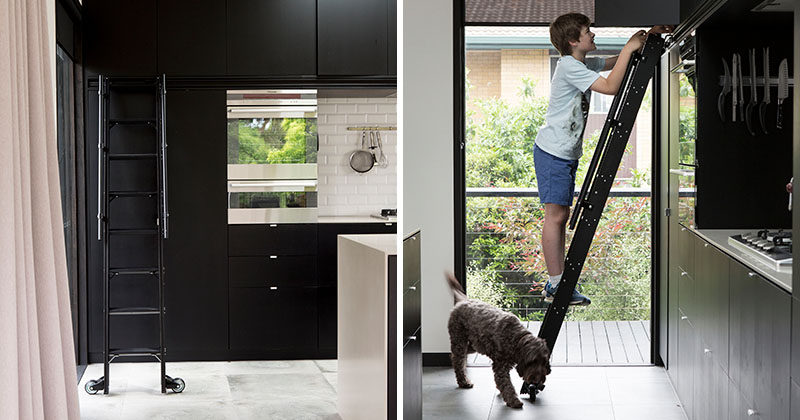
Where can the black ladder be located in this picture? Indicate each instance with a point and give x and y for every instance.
(599, 178)
(132, 218)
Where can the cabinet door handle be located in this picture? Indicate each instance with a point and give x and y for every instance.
(705, 245)
(752, 274)
(273, 288)
(683, 317)
(273, 257)
(412, 337)
(751, 412)
(412, 288)
(683, 273)
(272, 225)
(683, 229)
(706, 351)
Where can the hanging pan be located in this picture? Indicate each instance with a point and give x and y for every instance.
(362, 160)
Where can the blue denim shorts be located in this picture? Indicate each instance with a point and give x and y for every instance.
(555, 176)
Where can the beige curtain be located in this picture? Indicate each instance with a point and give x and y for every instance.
(37, 358)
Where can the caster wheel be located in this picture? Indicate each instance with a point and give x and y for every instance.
(180, 385)
(88, 387)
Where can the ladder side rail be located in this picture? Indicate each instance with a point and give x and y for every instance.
(162, 208)
(163, 128)
(104, 133)
(598, 191)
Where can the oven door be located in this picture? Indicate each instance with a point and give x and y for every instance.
(272, 201)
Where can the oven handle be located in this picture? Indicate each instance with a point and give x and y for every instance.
(682, 172)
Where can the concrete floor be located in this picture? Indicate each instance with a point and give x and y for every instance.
(301, 389)
(597, 393)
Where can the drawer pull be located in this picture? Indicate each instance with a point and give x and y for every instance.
(684, 317)
(272, 225)
(412, 288)
(683, 229)
(751, 412)
(272, 257)
(705, 245)
(683, 273)
(412, 337)
(752, 274)
(273, 288)
(387, 224)
(706, 351)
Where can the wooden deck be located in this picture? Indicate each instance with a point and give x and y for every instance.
(587, 343)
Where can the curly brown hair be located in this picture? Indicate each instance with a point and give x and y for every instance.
(567, 28)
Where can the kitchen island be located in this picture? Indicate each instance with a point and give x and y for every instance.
(367, 273)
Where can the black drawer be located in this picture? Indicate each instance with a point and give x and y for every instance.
(271, 271)
(412, 265)
(265, 319)
(272, 239)
(411, 311)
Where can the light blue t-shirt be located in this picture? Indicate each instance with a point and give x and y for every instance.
(562, 132)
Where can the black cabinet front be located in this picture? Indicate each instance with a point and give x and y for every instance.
(272, 37)
(412, 379)
(120, 37)
(353, 37)
(275, 239)
(273, 271)
(267, 319)
(191, 37)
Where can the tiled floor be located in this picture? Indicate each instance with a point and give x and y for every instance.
(596, 393)
(301, 389)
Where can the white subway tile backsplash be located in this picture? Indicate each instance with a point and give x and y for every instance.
(342, 191)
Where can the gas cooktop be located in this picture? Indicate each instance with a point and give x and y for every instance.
(773, 247)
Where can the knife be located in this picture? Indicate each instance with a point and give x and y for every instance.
(783, 90)
(726, 87)
(762, 108)
(741, 87)
(735, 83)
(753, 94)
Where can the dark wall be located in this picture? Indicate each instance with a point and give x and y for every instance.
(636, 12)
(741, 178)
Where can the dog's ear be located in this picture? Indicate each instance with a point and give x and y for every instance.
(521, 371)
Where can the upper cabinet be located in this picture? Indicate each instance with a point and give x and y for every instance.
(354, 37)
(120, 37)
(271, 37)
(191, 37)
(637, 12)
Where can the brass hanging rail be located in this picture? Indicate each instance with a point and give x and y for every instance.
(372, 128)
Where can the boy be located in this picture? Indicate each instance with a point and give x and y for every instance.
(557, 147)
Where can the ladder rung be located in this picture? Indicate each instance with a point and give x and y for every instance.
(133, 231)
(134, 351)
(129, 156)
(134, 311)
(134, 271)
(133, 193)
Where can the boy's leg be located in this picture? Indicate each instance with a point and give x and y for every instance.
(554, 237)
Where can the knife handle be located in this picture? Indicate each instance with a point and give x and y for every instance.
(779, 123)
(721, 106)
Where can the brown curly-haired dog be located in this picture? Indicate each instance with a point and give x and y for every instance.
(478, 326)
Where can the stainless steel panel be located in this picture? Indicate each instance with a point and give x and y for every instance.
(272, 215)
(272, 171)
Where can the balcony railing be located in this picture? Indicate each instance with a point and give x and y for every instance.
(505, 266)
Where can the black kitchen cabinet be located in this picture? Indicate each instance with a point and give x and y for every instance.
(273, 270)
(688, 358)
(191, 37)
(271, 319)
(195, 254)
(392, 51)
(711, 386)
(120, 37)
(272, 239)
(327, 268)
(412, 328)
(636, 13)
(272, 37)
(760, 342)
(353, 37)
(712, 292)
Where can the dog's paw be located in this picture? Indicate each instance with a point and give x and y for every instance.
(516, 403)
(465, 385)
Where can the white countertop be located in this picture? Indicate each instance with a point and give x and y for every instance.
(719, 238)
(383, 242)
(355, 219)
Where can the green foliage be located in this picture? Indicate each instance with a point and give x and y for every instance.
(261, 140)
(506, 266)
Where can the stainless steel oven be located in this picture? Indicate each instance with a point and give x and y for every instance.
(272, 156)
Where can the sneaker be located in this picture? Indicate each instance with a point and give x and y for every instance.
(549, 292)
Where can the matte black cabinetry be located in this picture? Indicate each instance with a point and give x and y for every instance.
(191, 37)
(412, 328)
(195, 255)
(328, 276)
(354, 37)
(272, 37)
(120, 37)
(636, 13)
